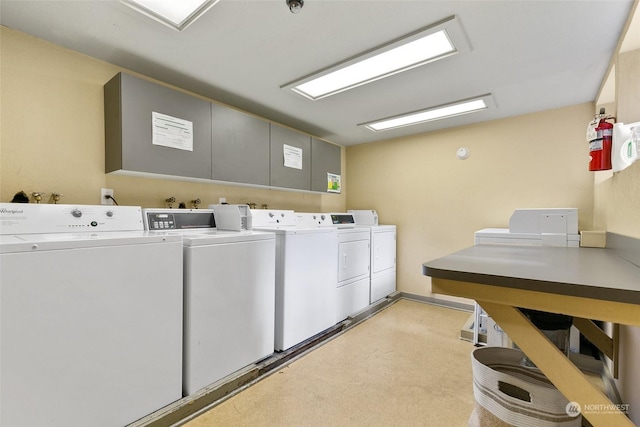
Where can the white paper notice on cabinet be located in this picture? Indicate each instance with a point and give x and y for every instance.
(292, 156)
(171, 132)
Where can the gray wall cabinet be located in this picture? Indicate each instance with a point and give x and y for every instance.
(284, 176)
(129, 105)
(224, 145)
(325, 158)
(240, 147)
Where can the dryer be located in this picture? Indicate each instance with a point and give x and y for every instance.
(229, 291)
(90, 315)
(354, 261)
(305, 268)
(383, 253)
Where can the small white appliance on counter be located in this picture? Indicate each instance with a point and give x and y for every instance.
(354, 260)
(383, 253)
(91, 316)
(306, 265)
(541, 227)
(229, 290)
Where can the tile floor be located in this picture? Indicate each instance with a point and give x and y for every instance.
(405, 366)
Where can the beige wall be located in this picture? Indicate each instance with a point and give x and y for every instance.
(438, 201)
(52, 136)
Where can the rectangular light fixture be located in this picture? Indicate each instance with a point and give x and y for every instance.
(177, 14)
(454, 109)
(419, 48)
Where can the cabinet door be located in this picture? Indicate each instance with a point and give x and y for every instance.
(290, 158)
(325, 158)
(240, 147)
(154, 129)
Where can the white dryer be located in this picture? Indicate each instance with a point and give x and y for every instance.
(354, 261)
(90, 315)
(383, 253)
(229, 293)
(306, 265)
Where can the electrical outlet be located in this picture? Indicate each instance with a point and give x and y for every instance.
(104, 192)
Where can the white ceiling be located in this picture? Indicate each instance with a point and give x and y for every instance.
(531, 55)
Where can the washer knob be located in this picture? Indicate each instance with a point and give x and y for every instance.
(77, 213)
(109, 214)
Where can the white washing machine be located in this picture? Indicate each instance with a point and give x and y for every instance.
(383, 253)
(90, 316)
(306, 265)
(354, 261)
(229, 293)
(528, 227)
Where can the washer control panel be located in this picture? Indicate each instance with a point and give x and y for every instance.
(30, 218)
(178, 219)
(273, 217)
(343, 220)
(161, 221)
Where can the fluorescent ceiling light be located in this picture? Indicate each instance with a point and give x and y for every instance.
(428, 45)
(436, 113)
(402, 58)
(177, 14)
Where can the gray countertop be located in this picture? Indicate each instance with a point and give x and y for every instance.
(583, 272)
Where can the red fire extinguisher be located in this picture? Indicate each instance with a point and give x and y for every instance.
(600, 146)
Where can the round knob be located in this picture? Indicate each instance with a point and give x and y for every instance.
(271, 215)
(322, 217)
(109, 214)
(77, 213)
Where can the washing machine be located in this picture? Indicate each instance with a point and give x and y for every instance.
(90, 316)
(383, 253)
(528, 227)
(229, 291)
(354, 261)
(306, 265)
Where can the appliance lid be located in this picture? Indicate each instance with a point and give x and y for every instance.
(57, 241)
(222, 237)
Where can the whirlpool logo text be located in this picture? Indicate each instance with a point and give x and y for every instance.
(10, 211)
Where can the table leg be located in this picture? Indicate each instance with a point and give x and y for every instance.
(558, 369)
